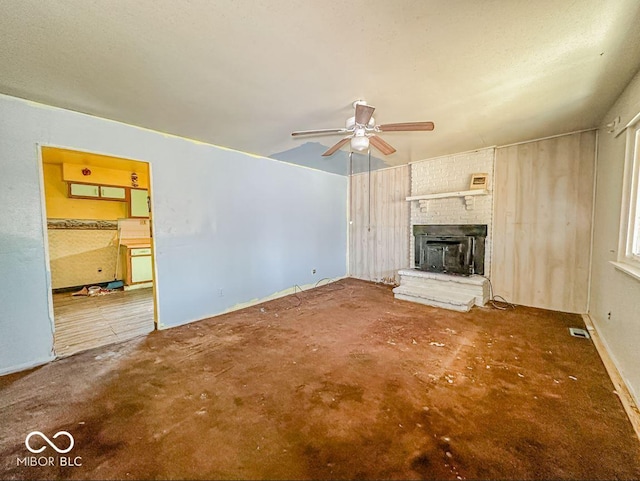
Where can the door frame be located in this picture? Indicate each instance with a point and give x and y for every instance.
(47, 257)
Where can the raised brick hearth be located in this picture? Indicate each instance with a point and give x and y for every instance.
(458, 293)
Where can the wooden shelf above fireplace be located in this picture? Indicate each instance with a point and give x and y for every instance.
(442, 195)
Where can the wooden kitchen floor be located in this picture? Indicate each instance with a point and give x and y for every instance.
(87, 322)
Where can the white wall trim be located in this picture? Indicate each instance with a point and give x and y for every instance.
(593, 218)
(349, 222)
(45, 235)
(381, 170)
(505, 145)
(629, 192)
(634, 120)
(620, 384)
(547, 138)
(627, 269)
(454, 153)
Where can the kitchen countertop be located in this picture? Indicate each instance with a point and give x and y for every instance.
(136, 243)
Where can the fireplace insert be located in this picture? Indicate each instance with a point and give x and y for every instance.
(451, 249)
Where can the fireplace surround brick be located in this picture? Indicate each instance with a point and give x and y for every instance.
(452, 173)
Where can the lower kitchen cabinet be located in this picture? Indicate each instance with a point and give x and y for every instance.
(138, 265)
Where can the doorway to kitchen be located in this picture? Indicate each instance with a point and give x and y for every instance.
(100, 248)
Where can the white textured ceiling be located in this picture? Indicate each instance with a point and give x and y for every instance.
(245, 73)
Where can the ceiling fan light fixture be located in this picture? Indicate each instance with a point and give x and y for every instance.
(351, 123)
(360, 143)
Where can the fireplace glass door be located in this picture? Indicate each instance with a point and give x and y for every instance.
(445, 254)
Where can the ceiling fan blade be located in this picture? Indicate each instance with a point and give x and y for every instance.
(381, 145)
(364, 113)
(406, 127)
(319, 132)
(333, 149)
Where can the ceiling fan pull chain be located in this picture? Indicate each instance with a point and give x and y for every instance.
(369, 209)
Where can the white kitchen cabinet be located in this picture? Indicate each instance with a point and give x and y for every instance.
(138, 265)
(139, 203)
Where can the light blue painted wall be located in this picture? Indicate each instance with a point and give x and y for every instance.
(249, 225)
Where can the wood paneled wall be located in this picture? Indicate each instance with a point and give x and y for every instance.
(543, 201)
(379, 229)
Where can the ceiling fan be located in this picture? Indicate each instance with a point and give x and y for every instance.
(362, 130)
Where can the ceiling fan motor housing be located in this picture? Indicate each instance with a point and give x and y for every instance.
(351, 123)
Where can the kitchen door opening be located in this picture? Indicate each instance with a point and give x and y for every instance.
(100, 248)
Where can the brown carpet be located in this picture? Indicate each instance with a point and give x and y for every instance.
(339, 382)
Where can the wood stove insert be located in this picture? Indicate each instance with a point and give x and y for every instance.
(451, 249)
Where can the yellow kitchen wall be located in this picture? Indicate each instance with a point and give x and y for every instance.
(60, 206)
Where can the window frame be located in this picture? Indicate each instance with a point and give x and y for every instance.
(629, 261)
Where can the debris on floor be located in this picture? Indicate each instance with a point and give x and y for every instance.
(93, 291)
(177, 404)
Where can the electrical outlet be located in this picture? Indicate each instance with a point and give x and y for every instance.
(220, 293)
(609, 315)
(313, 271)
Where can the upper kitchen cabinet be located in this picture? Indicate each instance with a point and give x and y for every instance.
(83, 190)
(139, 203)
(91, 174)
(116, 193)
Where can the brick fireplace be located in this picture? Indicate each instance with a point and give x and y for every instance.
(451, 245)
(452, 173)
